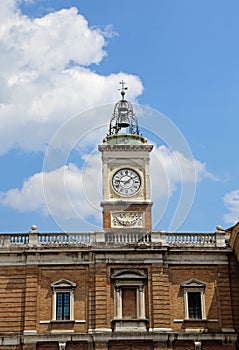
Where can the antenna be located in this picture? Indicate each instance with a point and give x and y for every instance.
(123, 88)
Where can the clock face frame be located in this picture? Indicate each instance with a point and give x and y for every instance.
(126, 182)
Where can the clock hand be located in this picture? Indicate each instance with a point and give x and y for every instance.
(125, 181)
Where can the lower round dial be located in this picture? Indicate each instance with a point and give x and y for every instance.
(126, 182)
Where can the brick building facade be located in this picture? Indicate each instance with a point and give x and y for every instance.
(125, 287)
(160, 292)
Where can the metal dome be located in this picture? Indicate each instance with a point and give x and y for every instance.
(123, 119)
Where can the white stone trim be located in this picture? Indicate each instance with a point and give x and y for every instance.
(228, 330)
(198, 345)
(62, 346)
(186, 309)
(99, 330)
(155, 330)
(140, 298)
(57, 331)
(194, 286)
(63, 286)
(30, 332)
(129, 278)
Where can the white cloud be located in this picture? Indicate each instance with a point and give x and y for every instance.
(67, 192)
(231, 201)
(170, 168)
(46, 77)
(29, 198)
(48, 43)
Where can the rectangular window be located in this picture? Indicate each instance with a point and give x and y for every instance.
(63, 306)
(194, 305)
(129, 302)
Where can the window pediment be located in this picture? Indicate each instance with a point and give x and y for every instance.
(63, 283)
(129, 275)
(193, 283)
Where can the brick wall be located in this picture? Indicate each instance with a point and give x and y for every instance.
(51, 274)
(12, 299)
(206, 274)
(134, 345)
(224, 296)
(160, 299)
(3, 347)
(26, 296)
(31, 296)
(234, 280)
(69, 345)
(47, 346)
(101, 297)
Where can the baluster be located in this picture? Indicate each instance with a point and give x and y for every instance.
(205, 239)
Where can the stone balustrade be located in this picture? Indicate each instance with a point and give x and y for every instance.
(35, 239)
(127, 238)
(191, 239)
(58, 239)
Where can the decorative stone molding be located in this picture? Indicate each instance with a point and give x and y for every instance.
(126, 147)
(126, 219)
(198, 345)
(62, 346)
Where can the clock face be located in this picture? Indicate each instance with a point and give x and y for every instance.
(126, 182)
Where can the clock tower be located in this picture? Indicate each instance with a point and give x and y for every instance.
(126, 175)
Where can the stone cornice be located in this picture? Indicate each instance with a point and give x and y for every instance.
(124, 148)
(107, 335)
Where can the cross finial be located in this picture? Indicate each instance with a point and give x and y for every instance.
(123, 88)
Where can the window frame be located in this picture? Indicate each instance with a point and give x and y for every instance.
(194, 286)
(194, 305)
(129, 279)
(63, 304)
(63, 286)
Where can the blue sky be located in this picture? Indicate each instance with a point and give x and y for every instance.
(58, 60)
